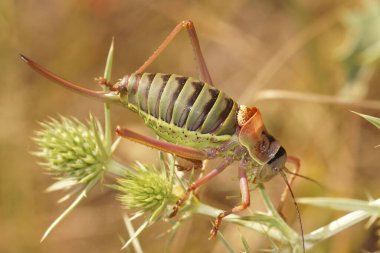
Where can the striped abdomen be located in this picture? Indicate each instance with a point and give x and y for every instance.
(180, 101)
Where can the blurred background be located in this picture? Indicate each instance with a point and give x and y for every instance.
(326, 47)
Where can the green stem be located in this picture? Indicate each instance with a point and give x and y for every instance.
(340, 224)
(107, 112)
(289, 233)
(336, 226)
(115, 168)
(131, 231)
(270, 224)
(71, 207)
(259, 227)
(267, 201)
(107, 123)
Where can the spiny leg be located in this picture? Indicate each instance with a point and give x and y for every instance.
(245, 201)
(198, 183)
(189, 26)
(297, 165)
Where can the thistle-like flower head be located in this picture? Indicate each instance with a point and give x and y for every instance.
(71, 149)
(145, 188)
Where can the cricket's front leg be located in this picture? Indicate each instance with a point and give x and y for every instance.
(198, 183)
(245, 201)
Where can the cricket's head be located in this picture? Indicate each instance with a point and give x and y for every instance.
(273, 167)
(105, 96)
(261, 146)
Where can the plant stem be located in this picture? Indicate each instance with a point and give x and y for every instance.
(115, 168)
(131, 231)
(289, 233)
(245, 221)
(71, 207)
(107, 123)
(340, 224)
(107, 113)
(336, 226)
(270, 224)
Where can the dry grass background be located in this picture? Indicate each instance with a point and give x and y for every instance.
(239, 40)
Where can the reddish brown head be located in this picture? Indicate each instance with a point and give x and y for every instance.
(262, 147)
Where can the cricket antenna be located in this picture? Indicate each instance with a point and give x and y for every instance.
(296, 206)
(304, 177)
(67, 84)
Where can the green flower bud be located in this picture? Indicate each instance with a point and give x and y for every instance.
(69, 149)
(145, 188)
